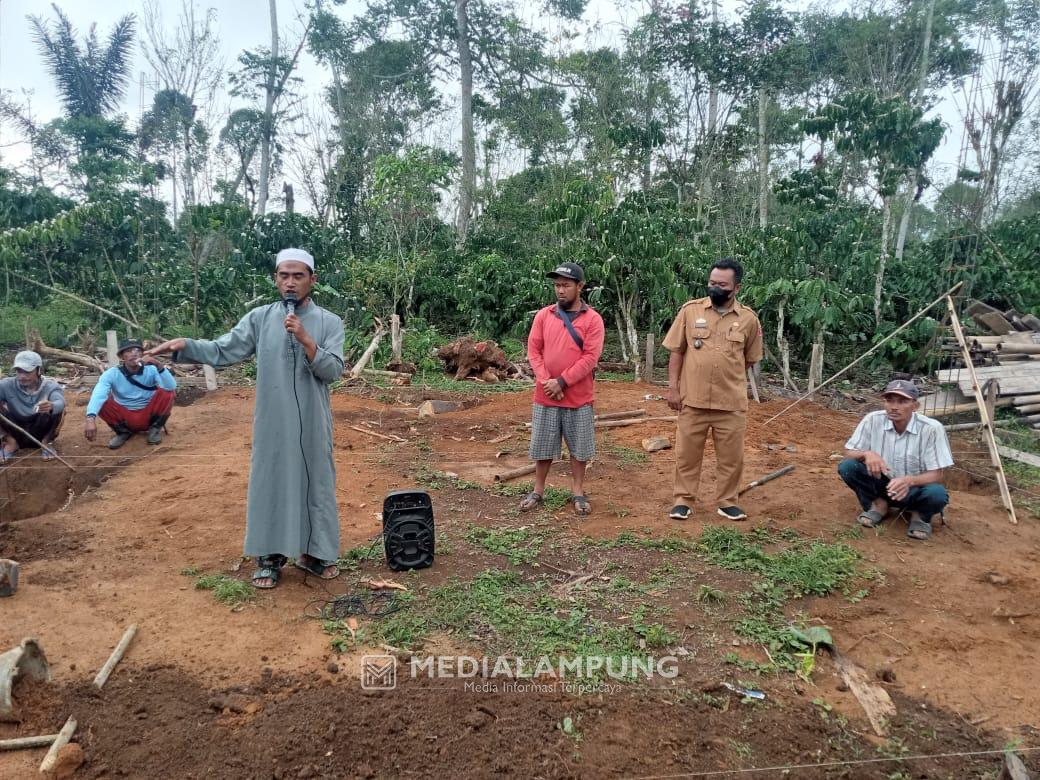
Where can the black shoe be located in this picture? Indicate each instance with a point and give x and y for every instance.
(680, 512)
(121, 438)
(155, 434)
(733, 513)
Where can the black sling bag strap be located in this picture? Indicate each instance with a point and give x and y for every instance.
(134, 382)
(570, 329)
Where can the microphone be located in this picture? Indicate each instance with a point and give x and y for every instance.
(290, 308)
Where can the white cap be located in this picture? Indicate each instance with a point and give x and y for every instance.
(294, 255)
(28, 361)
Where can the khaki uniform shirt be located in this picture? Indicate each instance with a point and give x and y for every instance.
(714, 375)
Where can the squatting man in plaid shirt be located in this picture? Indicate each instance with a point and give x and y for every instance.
(896, 458)
(563, 348)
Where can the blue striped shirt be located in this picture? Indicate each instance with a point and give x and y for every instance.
(113, 382)
(921, 447)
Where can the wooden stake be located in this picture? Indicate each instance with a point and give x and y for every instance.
(60, 741)
(8, 424)
(21, 743)
(870, 351)
(990, 391)
(754, 385)
(648, 359)
(210, 375)
(111, 345)
(984, 415)
(113, 659)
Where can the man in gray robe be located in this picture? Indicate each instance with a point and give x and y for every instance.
(292, 480)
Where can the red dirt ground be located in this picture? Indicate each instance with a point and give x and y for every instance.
(958, 649)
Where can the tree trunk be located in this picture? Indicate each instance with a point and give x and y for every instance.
(922, 82)
(189, 166)
(763, 161)
(469, 153)
(709, 135)
(879, 280)
(267, 131)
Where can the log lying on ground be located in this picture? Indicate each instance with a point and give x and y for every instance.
(636, 421)
(355, 372)
(60, 354)
(621, 415)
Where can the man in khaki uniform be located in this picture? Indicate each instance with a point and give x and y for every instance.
(713, 342)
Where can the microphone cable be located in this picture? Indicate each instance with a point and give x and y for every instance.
(290, 304)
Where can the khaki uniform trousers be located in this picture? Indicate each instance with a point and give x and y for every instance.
(727, 432)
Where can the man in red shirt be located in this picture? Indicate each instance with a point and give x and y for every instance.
(563, 348)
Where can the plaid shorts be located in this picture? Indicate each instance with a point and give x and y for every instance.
(551, 423)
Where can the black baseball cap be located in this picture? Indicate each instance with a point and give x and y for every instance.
(568, 271)
(129, 344)
(902, 387)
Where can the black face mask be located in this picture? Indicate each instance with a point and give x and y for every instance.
(719, 296)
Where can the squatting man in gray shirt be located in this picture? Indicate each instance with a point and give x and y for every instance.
(895, 459)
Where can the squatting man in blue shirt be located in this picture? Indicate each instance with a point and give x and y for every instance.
(133, 397)
(896, 458)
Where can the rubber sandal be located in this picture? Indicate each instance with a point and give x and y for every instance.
(872, 518)
(919, 530)
(7, 457)
(317, 567)
(269, 567)
(48, 453)
(581, 505)
(531, 501)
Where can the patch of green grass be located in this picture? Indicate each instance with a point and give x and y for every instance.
(372, 551)
(438, 380)
(706, 594)
(671, 544)
(509, 615)
(190, 571)
(802, 568)
(519, 545)
(227, 590)
(552, 499)
(436, 480)
(1022, 473)
(626, 456)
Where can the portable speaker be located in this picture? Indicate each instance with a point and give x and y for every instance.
(408, 530)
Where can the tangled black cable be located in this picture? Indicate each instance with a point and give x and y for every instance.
(374, 604)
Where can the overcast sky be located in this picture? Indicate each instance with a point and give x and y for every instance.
(244, 24)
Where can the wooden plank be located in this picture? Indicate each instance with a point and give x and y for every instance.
(994, 321)
(989, 372)
(987, 421)
(1022, 457)
(1010, 387)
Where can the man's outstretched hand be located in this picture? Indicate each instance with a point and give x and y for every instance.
(173, 345)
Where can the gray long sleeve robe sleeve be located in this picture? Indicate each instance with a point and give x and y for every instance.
(292, 479)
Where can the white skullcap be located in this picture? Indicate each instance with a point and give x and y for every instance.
(294, 255)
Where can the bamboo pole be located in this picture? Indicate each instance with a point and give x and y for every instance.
(984, 415)
(754, 385)
(75, 298)
(60, 741)
(117, 654)
(21, 743)
(871, 351)
(8, 424)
